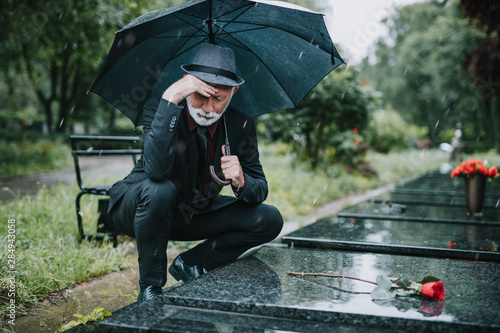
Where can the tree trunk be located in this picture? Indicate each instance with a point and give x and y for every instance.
(488, 122)
(46, 103)
(496, 120)
(64, 97)
(111, 121)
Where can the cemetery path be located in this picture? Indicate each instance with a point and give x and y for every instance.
(102, 167)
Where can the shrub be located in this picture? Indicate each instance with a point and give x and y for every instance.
(389, 132)
(23, 157)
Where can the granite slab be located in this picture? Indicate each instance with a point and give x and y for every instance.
(440, 240)
(181, 319)
(259, 286)
(389, 210)
(435, 198)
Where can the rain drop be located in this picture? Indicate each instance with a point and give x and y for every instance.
(301, 53)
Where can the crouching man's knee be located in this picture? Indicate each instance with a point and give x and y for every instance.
(272, 221)
(157, 195)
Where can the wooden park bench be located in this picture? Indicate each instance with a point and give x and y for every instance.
(99, 146)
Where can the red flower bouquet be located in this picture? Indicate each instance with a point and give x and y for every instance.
(472, 167)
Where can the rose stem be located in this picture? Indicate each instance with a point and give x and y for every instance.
(331, 275)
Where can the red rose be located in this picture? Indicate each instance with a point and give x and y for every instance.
(493, 172)
(355, 130)
(433, 290)
(357, 140)
(470, 169)
(482, 169)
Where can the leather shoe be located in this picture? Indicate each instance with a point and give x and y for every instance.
(149, 293)
(181, 271)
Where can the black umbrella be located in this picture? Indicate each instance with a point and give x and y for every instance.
(282, 52)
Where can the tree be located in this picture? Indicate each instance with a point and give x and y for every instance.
(484, 61)
(324, 129)
(60, 45)
(419, 70)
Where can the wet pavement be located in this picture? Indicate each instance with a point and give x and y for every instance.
(111, 292)
(94, 169)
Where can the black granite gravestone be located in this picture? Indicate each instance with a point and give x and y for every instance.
(374, 209)
(442, 240)
(256, 294)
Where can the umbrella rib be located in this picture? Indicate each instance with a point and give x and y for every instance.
(186, 50)
(248, 7)
(240, 31)
(188, 23)
(263, 26)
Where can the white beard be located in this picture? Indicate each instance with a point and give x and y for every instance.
(203, 118)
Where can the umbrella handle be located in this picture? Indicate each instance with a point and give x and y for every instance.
(216, 178)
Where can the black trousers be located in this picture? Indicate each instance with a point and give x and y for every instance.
(148, 212)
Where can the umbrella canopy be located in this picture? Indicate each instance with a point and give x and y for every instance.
(282, 51)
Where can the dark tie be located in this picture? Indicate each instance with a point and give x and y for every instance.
(201, 141)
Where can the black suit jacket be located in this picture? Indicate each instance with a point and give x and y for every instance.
(166, 155)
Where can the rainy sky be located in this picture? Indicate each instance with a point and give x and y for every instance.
(355, 25)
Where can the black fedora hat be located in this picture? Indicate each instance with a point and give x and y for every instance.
(214, 64)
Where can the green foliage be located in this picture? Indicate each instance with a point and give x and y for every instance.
(420, 70)
(23, 157)
(318, 130)
(97, 314)
(296, 190)
(388, 131)
(60, 46)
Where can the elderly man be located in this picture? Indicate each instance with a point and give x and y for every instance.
(169, 195)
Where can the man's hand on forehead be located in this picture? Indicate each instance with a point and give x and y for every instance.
(186, 86)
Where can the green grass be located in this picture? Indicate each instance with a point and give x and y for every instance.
(47, 249)
(47, 254)
(296, 190)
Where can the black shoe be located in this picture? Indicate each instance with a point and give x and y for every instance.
(180, 271)
(149, 293)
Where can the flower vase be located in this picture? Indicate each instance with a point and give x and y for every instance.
(474, 193)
